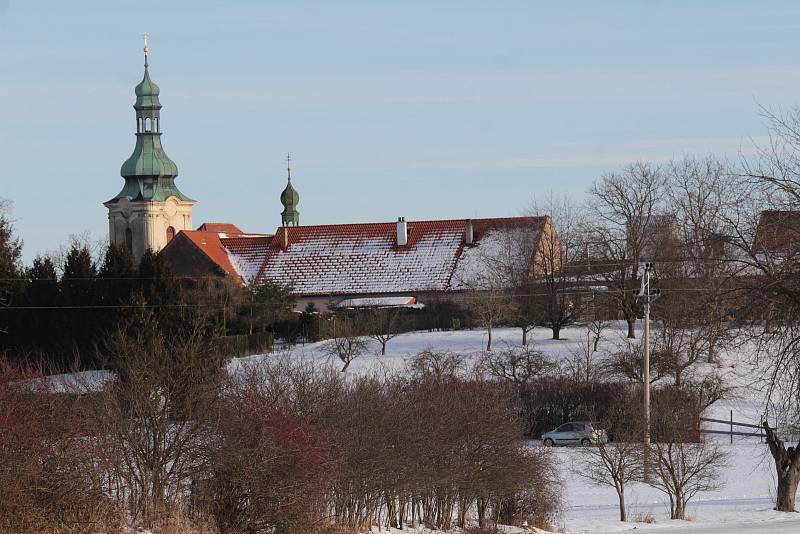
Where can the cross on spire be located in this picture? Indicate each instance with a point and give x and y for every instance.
(288, 167)
(146, 49)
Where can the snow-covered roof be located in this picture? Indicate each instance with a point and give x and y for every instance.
(364, 259)
(380, 302)
(353, 259)
(501, 258)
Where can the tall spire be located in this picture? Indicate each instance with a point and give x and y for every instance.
(288, 167)
(149, 173)
(146, 49)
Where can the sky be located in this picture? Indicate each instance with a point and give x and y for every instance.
(426, 109)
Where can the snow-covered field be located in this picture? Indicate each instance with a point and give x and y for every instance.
(743, 504)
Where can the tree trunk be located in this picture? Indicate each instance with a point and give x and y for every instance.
(556, 331)
(712, 355)
(621, 495)
(489, 341)
(383, 348)
(524, 336)
(631, 329)
(787, 489)
(596, 341)
(680, 508)
(787, 465)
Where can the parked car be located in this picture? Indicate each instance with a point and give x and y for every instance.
(575, 433)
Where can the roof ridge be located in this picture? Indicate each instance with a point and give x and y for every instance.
(422, 221)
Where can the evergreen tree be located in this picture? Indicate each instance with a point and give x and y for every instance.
(38, 329)
(272, 304)
(10, 285)
(77, 300)
(114, 287)
(157, 284)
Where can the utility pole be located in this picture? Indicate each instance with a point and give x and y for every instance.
(648, 296)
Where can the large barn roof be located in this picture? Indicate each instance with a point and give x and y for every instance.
(360, 259)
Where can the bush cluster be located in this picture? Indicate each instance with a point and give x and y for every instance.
(173, 443)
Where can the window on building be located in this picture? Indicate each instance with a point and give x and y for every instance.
(170, 233)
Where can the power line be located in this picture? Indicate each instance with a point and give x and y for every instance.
(455, 294)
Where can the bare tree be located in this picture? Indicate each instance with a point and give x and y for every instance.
(382, 325)
(696, 195)
(625, 208)
(681, 470)
(347, 343)
(596, 327)
(435, 364)
(491, 308)
(582, 363)
(764, 228)
(679, 463)
(517, 366)
(787, 465)
(619, 463)
(561, 246)
(628, 362)
(157, 413)
(687, 333)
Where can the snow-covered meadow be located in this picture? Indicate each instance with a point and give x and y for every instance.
(743, 504)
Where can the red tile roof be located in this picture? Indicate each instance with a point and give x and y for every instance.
(238, 254)
(209, 243)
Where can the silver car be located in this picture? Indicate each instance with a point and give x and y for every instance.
(575, 433)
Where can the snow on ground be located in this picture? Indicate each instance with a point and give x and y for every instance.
(746, 497)
(744, 504)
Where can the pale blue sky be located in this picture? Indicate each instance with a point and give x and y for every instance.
(425, 109)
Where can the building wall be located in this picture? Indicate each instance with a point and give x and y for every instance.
(148, 223)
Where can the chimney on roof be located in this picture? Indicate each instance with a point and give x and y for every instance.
(469, 233)
(284, 237)
(402, 232)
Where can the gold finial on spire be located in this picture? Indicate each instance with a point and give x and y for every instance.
(146, 49)
(288, 166)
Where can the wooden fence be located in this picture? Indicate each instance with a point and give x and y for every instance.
(758, 432)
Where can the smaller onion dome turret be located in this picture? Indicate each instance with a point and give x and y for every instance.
(290, 198)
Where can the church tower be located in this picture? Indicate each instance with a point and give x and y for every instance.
(289, 198)
(150, 209)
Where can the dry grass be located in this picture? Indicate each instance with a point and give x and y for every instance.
(180, 522)
(644, 518)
